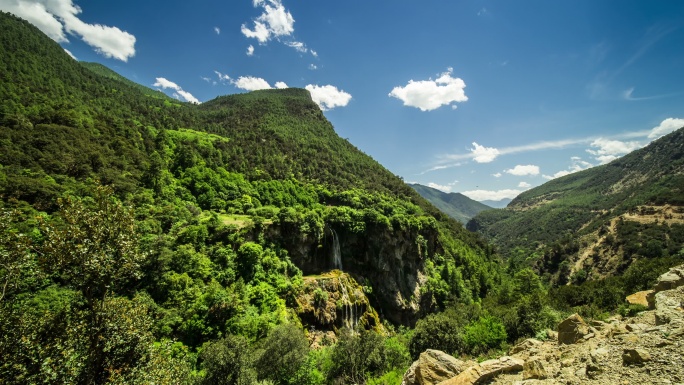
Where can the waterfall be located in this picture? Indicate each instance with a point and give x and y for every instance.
(337, 255)
(349, 308)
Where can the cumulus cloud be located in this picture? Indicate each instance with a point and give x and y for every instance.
(524, 185)
(428, 95)
(665, 127)
(275, 22)
(280, 85)
(251, 83)
(217, 30)
(179, 93)
(577, 164)
(443, 188)
(328, 97)
(497, 175)
(313, 67)
(607, 150)
(494, 195)
(250, 50)
(482, 154)
(522, 170)
(58, 18)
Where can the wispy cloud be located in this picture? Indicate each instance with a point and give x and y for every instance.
(179, 92)
(602, 146)
(217, 30)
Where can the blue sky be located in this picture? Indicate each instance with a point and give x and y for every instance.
(488, 98)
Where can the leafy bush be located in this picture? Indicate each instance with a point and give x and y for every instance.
(483, 334)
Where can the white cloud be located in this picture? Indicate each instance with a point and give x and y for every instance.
(483, 195)
(314, 53)
(482, 154)
(297, 45)
(524, 185)
(428, 95)
(313, 67)
(223, 78)
(57, 18)
(665, 127)
(608, 150)
(577, 164)
(250, 50)
(280, 85)
(497, 175)
(443, 188)
(522, 170)
(165, 83)
(328, 97)
(251, 83)
(70, 54)
(217, 30)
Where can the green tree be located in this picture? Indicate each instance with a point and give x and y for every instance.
(228, 361)
(93, 248)
(283, 353)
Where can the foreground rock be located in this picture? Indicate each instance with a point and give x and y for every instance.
(433, 367)
(484, 371)
(572, 330)
(645, 349)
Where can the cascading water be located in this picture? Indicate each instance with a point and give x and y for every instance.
(337, 254)
(349, 307)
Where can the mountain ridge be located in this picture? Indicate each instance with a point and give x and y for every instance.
(456, 205)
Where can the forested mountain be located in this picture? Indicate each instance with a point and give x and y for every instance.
(147, 240)
(598, 222)
(456, 205)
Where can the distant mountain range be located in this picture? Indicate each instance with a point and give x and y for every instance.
(597, 222)
(456, 205)
(497, 204)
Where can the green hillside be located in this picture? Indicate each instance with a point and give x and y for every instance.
(598, 222)
(455, 205)
(143, 239)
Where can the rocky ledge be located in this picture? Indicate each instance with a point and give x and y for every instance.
(645, 349)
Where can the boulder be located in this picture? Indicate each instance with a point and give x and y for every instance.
(635, 357)
(528, 344)
(536, 368)
(637, 328)
(432, 367)
(670, 280)
(485, 371)
(572, 329)
(639, 298)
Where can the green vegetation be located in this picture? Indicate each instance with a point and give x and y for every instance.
(144, 240)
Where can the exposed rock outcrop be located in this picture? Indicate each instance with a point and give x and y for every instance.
(645, 349)
(433, 367)
(486, 370)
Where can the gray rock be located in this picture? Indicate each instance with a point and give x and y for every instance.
(572, 329)
(432, 367)
(525, 345)
(485, 371)
(635, 357)
(536, 368)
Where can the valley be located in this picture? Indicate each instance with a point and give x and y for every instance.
(243, 241)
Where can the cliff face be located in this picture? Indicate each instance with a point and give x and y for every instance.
(388, 263)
